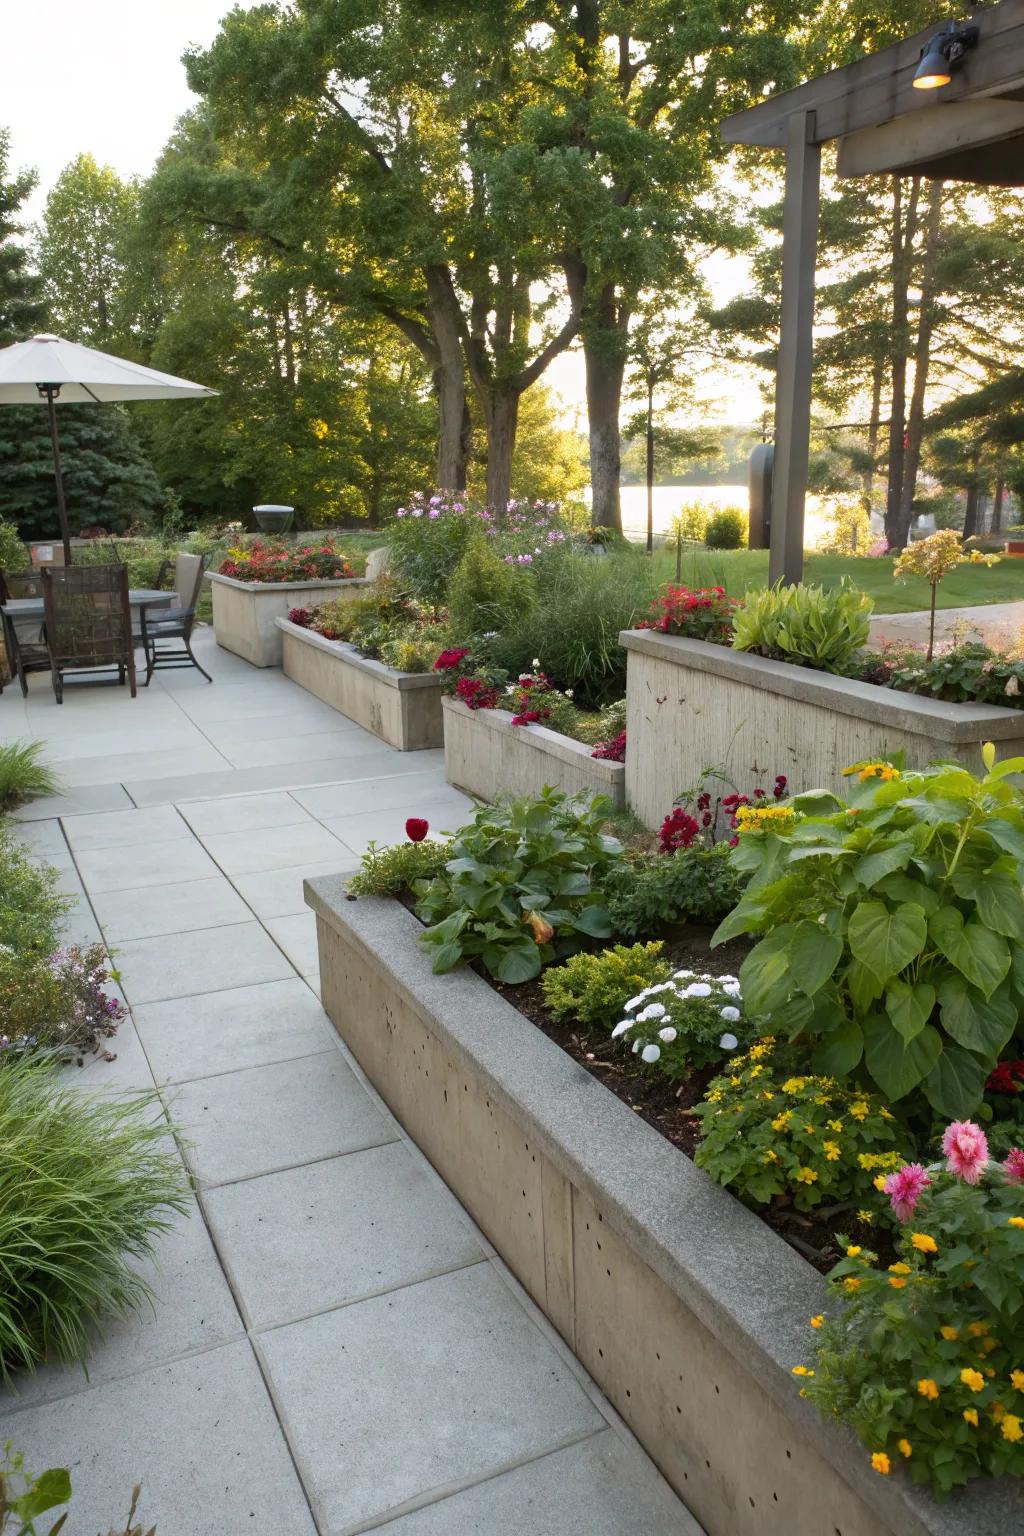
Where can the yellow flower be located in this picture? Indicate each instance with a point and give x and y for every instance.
(879, 1182)
(853, 1251)
(1011, 1427)
(888, 772)
(771, 1156)
(950, 1333)
(1016, 1221)
(810, 1130)
(1017, 1377)
(807, 1175)
(923, 1243)
(781, 1122)
(794, 1085)
(832, 1151)
(886, 1114)
(860, 1110)
(977, 1330)
(757, 1051)
(905, 1448)
(801, 1370)
(971, 1415)
(816, 1322)
(928, 1388)
(867, 1217)
(899, 1269)
(852, 1283)
(836, 1126)
(881, 1463)
(897, 1282)
(973, 1379)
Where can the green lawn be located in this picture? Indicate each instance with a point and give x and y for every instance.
(966, 587)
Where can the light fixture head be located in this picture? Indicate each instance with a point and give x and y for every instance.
(943, 54)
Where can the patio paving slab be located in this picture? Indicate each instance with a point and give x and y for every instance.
(278, 892)
(384, 794)
(300, 748)
(244, 813)
(177, 908)
(44, 839)
(236, 781)
(126, 829)
(263, 1119)
(122, 767)
(200, 1036)
(599, 1487)
(313, 1238)
(450, 1372)
(200, 1435)
(81, 801)
(240, 853)
(178, 964)
(128, 1071)
(297, 937)
(135, 866)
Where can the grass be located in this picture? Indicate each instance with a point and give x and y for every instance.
(969, 586)
(23, 774)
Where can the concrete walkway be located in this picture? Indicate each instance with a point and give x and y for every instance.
(996, 623)
(334, 1347)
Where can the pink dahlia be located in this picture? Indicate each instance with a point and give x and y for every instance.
(966, 1150)
(905, 1188)
(1013, 1168)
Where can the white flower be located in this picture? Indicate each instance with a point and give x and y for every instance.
(652, 1011)
(725, 980)
(620, 1029)
(636, 1046)
(535, 663)
(681, 975)
(730, 1015)
(697, 989)
(651, 1053)
(668, 1034)
(731, 988)
(568, 693)
(634, 1002)
(728, 1043)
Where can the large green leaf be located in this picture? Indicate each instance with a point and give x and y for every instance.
(905, 888)
(872, 867)
(897, 1065)
(838, 1052)
(765, 976)
(978, 953)
(594, 920)
(909, 1007)
(519, 962)
(445, 957)
(865, 987)
(979, 1024)
(1008, 834)
(814, 955)
(955, 1084)
(1000, 901)
(746, 918)
(885, 941)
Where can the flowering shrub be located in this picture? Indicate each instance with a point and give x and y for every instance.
(934, 558)
(690, 1020)
(925, 1358)
(888, 926)
(264, 561)
(534, 700)
(382, 623)
(430, 536)
(55, 1002)
(613, 751)
(300, 616)
(390, 871)
(30, 908)
(476, 693)
(704, 614)
(698, 816)
(594, 988)
(769, 1132)
(970, 673)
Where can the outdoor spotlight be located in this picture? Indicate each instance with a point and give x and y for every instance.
(944, 53)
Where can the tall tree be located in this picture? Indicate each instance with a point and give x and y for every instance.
(22, 310)
(85, 243)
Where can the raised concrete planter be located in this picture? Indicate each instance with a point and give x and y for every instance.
(691, 706)
(402, 708)
(486, 755)
(244, 612)
(685, 1308)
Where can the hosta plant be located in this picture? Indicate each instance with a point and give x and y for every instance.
(892, 928)
(924, 1357)
(822, 627)
(519, 889)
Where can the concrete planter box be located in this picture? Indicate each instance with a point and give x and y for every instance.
(402, 708)
(244, 611)
(686, 1309)
(486, 755)
(691, 705)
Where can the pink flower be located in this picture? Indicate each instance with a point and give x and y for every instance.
(966, 1150)
(904, 1189)
(1013, 1168)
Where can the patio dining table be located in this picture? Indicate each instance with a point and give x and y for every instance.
(138, 597)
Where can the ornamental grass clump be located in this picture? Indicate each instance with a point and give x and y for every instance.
(593, 989)
(924, 1357)
(23, 774)
(772, 1133)
(691, 1020)
(87, 1182)
(820, 627)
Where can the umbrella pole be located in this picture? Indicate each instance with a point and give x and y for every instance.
(50, 391)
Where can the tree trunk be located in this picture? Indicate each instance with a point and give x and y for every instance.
(650, 469)
(997, 505)
(873, 422)
(902, 252)
(972, 515)
(501, 412)
(454, 426)
(922, 358)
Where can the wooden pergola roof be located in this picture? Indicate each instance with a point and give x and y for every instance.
(970, 130)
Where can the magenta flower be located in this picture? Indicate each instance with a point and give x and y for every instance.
(966, 1150)
(1013, 1168)
(905, 1188)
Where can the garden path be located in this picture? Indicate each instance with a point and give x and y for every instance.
(334, 1346)
(997, 623)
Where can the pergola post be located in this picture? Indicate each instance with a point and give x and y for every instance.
(796, 349)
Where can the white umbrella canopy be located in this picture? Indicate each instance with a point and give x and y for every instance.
(50, 369)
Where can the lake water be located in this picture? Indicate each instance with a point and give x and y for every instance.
(668, 499)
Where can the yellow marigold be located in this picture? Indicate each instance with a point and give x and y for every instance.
(1015, 1221)
(923, 1243)
(973, 1379)
(1011, 1428)
(1017, 1377)
(817, 1322)
(767, 1095)
(950, 1333)
(810, 1130)
(756, 1071)
(897, 1282)
(771, 1156)
(832, 1151)
(886, 1114)
(971, 1415)
(928, 1388)
(852, 1283)
(807, 1175)
(860, 1110)
(853, 1251)
(905, 1448)
(802, 1370)
(757, 1051)
(751, 817)
(899, 1269)
(881, 1463)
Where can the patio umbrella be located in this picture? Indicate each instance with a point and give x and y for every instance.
(63, 372)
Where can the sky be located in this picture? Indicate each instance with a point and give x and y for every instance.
(105, 77)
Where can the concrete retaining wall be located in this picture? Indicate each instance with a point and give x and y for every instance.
(244, 612)
(486, 755)
(686, 1309)
(691, 706)
(402, 708)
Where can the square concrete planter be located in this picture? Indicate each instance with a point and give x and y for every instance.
(244, 612)
(402, 708)
(685, 1308)
(691, 706)
(486, 755)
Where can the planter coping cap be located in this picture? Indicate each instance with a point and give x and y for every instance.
(343, 651)
(287, 586)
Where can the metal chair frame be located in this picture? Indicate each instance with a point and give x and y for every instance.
(24, 654)
(173, 624)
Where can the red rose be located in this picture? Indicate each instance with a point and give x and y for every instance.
(416, 829)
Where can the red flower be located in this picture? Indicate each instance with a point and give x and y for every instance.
(530, 716)
(300, 616)
(450, 659)
(416, 829)
(476, 693)
(613, 751)
(678, 830)
(1006, 1077)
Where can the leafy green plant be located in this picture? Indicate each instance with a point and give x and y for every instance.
(23, 774)
(892, 927)
(428, 539)
(389, 871)
(971, 673)
(822, 627)
(769, 1132)
(519, 890)
(593, 989)
(726, 529)
(646, 892)
(86, 1184)
(30, 906)
(23, 1498)
(13, 552)
(484, 591)
(56, 1001)
(923, 1358)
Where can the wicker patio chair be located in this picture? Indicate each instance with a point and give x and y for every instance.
(24, 639)
(88, 622)
(169, 624)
